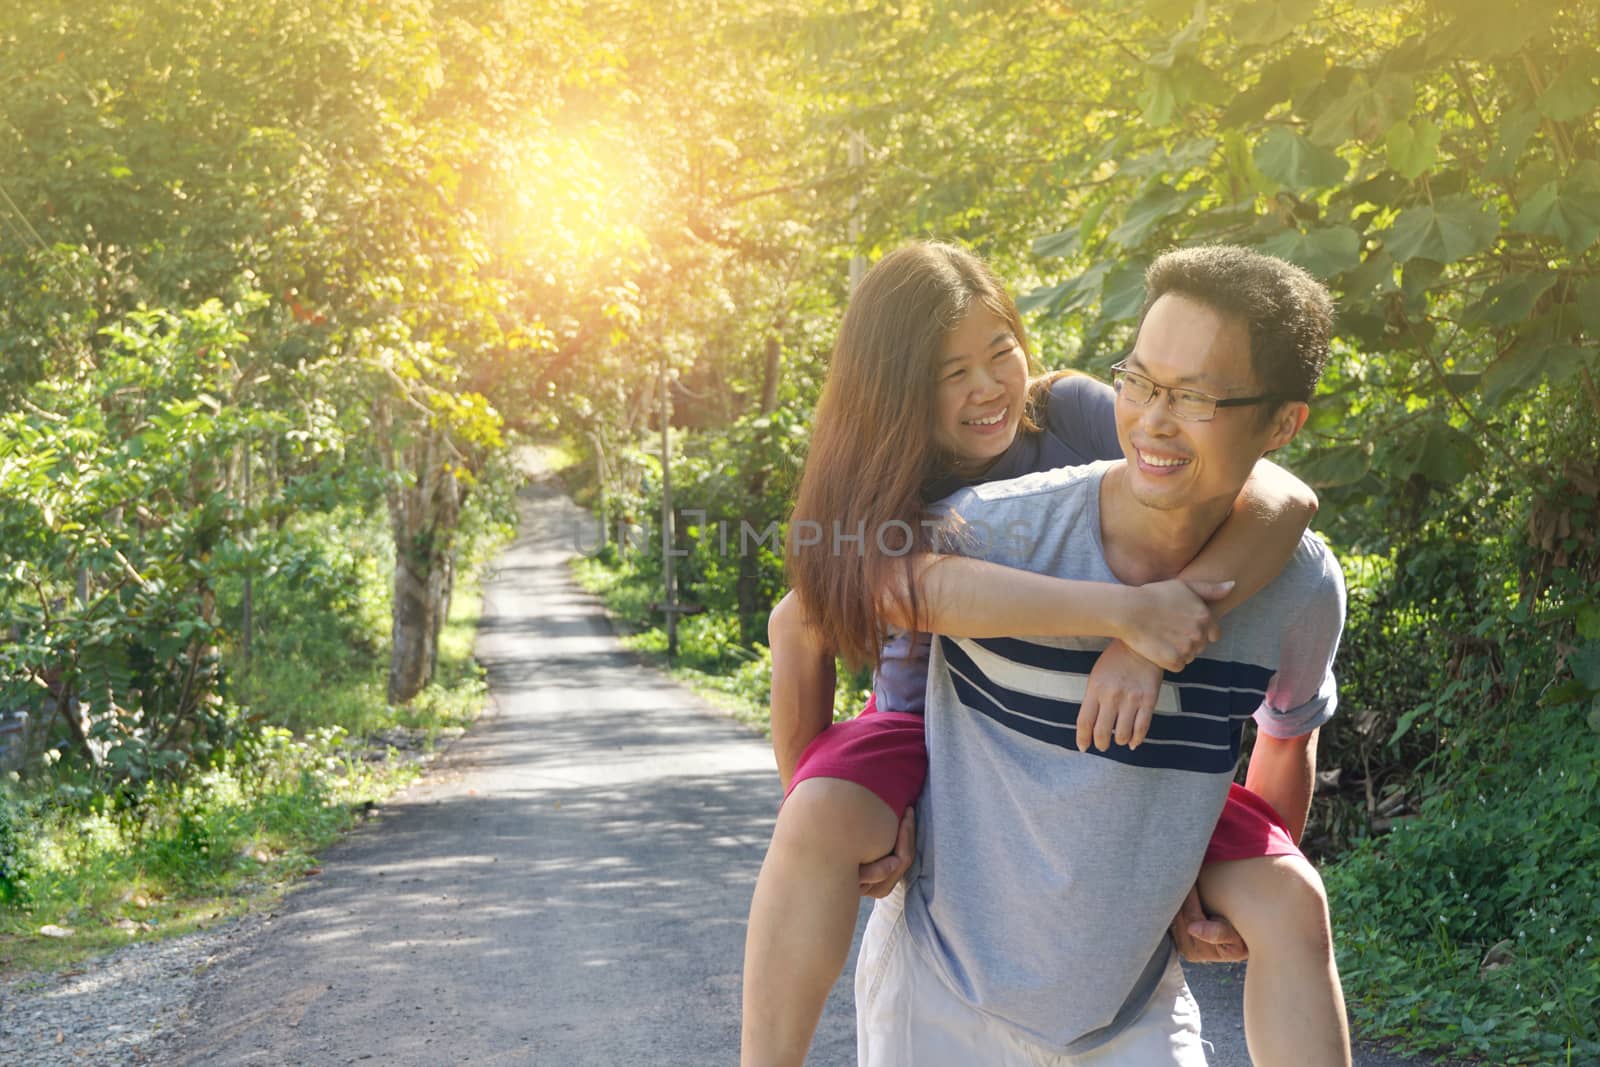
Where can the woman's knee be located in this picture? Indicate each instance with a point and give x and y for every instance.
(1275, 900)
(1300, 902)
(834, 818)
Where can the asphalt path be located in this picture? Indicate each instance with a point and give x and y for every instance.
(567, 886)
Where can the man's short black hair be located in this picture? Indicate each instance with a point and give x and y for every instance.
(1288, 312)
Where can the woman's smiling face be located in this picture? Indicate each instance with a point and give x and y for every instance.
(980, 384)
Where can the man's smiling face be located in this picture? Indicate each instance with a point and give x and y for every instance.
(1175, 463)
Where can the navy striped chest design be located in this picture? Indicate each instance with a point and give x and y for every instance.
(1037, 689)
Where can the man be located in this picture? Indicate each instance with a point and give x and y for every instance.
(1034, 927)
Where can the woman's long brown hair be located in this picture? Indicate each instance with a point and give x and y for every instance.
(872, 446)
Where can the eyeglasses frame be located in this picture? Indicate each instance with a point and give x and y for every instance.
(1121, 367)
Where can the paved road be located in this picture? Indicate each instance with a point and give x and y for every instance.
(568, 886)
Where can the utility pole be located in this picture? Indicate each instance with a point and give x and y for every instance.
(248, 622)
(667, 559)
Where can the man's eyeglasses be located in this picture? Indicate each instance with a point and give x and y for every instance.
(1186, 404)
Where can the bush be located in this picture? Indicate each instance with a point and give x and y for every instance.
(1472, 927)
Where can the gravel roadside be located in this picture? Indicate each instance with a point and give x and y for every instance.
(115, 1009)
(109, 1010)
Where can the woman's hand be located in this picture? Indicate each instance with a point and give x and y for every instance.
(1120, 700)
(1203, 938)
(1170, 622)
(878, 878)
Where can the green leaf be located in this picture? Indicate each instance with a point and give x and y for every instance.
(1284, 77)
(1484, 29)
(1373, 278)
(1412, 149)
(1159, 100)
(1439, 452)
(1070, 295)
(1123, 294)
(1324, 252)
(1264, 21)
(1572, 95)
(1366, 110)
(1239, 179)
(1449, 230)
(1588, 295)
(1343, 465)
(1289, 159)
(1181, 42)
(1567, 211)
(1064, 243)
(1585, 664)
(1511, 142)
(1403, 725)
(1145, 214)
(1528, 362)
(1594, 715)
(1568, 692)
(1510, 300)
(1588, 622)
(1170, 162)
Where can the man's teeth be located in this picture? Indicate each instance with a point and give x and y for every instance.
(991, 420)
(1157, 461)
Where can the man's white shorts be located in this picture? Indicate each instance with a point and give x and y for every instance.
(907, 1017)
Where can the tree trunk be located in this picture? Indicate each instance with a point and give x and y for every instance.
(769, 377)
(747, 590)
(423, 516)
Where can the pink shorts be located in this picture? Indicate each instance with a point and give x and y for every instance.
(1249, 827)
(885, 751)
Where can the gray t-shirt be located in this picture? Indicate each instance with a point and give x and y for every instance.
(1046, 877)
(1079, 425)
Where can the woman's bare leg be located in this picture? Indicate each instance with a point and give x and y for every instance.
(1293, 1003)
(804, 912)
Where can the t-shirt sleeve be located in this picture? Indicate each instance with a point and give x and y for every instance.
(1302, 694)
(1083, 416)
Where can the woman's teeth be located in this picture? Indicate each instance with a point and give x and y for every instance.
(991, 420)
(1157, 461)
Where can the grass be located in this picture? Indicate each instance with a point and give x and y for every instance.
(233, 837)
(710, 659)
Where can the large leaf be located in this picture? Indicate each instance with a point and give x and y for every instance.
(1170, 162)
(1238, 179)
(1412, 147)
(1437, 451)
(1513, 132)
(1588, 295)
(1568, 211)
(1282, 78)
(1330, 467)
(1530, 361)
(1264, 21)
(1148, 212)
(1182, 42)
(1585, 664)
(1123, 294)
(1510, 300)
(1068, 296)
(1373, 279)
(1291, 160)
(1064, 243)
(1159, 100)
(1444, 232)
(1365, 111)
(1484, 29)
(1324, 252)
(1572, 95)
